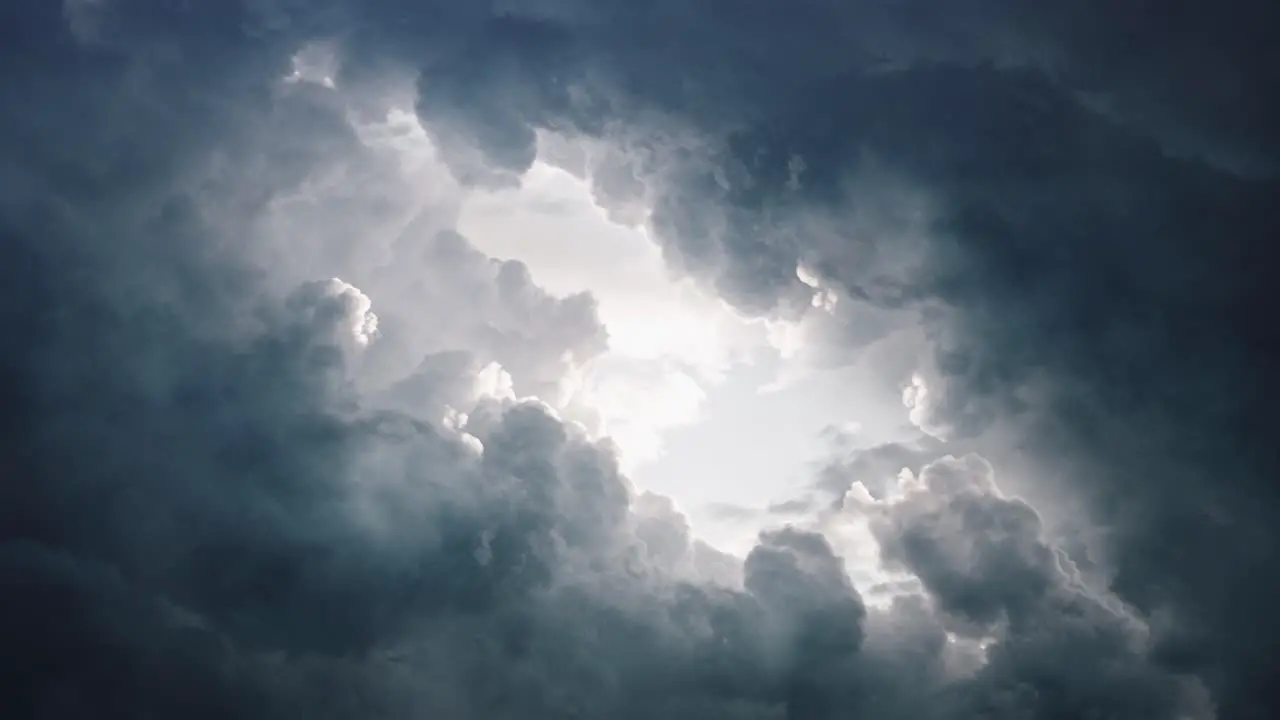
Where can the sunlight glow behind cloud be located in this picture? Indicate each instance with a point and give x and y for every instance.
(669, 340)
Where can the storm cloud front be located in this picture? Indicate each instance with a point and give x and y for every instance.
(279, 440)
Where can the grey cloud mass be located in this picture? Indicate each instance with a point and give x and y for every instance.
(252, 465)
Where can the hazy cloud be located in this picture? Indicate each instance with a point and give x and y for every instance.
(237, 486)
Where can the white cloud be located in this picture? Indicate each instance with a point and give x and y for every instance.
(339, 310)
(670, 341)
(673, 345)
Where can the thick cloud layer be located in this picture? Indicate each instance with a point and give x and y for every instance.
(239, 486)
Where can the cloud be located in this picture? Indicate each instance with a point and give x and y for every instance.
(984, 559)
(1082, 226)
(227, 492)
(336, 311)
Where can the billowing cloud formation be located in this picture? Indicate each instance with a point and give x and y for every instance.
(984, 560)
(231, 492)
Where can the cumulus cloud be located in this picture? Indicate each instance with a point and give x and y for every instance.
(983, 559)
(336, 311)
(235, 488)
(1083, 230)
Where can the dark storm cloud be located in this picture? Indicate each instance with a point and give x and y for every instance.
(1088, 207)
(203, 515)
(984, 558)
(202, 512)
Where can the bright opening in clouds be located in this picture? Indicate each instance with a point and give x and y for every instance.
(775, 360)
(669, 340)
(718, 410)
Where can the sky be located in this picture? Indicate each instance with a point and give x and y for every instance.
(720, 411)
(701, 359)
